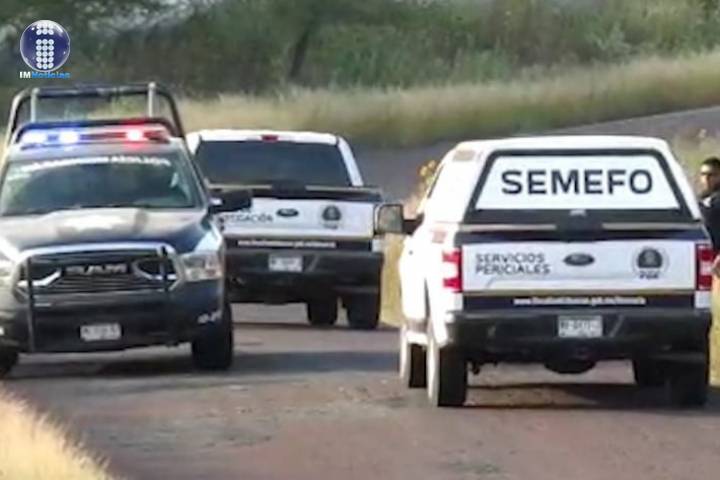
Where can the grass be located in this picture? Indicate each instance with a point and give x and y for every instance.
(391, 313)
(423, 115)
(33, 448)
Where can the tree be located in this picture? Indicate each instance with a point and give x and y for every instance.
(77, 15)
(17, 14)
(305, 18)
(710, 6)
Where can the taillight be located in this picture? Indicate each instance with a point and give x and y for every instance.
(452, 270)
(704, 256)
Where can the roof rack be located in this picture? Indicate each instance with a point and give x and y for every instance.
(32, 98)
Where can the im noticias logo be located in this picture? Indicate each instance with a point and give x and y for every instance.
(45, 47)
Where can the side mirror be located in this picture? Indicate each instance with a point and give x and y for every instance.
(389, 219)
(230, 201)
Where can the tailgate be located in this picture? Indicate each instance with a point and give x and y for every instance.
(273, 217)
(556, 268)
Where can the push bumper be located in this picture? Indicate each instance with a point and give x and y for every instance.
(534, 335)
(157, 318)
(251, 278)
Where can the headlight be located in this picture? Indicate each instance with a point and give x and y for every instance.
(6, 272)
(201, 266)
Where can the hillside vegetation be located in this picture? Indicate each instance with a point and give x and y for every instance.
(393, 73)
(265, 47)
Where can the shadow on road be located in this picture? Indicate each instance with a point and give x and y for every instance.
(582, 396)
(301, 326)
(246, 364)
(316, 362)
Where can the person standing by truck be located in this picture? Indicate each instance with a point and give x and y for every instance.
(710, 198)
(710, 208)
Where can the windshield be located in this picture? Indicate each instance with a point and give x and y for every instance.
(255, 162)
(553, 187)
(148, 181)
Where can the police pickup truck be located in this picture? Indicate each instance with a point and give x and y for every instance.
(106, 236)
(564, 251)
(309, 235)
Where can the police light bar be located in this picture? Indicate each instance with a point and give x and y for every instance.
(73, 136)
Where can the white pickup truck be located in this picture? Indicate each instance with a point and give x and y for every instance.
(309, 235)
(564, 251)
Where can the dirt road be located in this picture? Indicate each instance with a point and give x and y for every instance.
(303, 403)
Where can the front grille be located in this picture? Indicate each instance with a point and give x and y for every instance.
(99, 284)
(98, 272)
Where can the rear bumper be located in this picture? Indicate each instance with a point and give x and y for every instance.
(145, 319)
(534, 336)
(339, 272)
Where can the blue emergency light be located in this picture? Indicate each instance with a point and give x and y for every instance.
(35, 137)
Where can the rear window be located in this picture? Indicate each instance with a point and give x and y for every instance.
(552, 187)
(256, 162)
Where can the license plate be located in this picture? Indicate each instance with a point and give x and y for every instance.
(285, 263)
(580, 327)
(97, 333)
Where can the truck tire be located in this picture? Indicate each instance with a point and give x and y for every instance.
(8, 360)
(446, 375)
(688, 383)
(413, 363)
(648, 373)
(322, 312)
(363, 311)
(214, 349)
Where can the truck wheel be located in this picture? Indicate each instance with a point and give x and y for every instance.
(648, 373)
(363, 311)
(8, 360)
(322, 312)
(688, 382)
(446, 375)
(214, 349)
(413, 363)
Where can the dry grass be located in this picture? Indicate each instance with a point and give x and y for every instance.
(418, 116)
(32, 448)
(691, 150)
(391, 307)
(715, 337)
